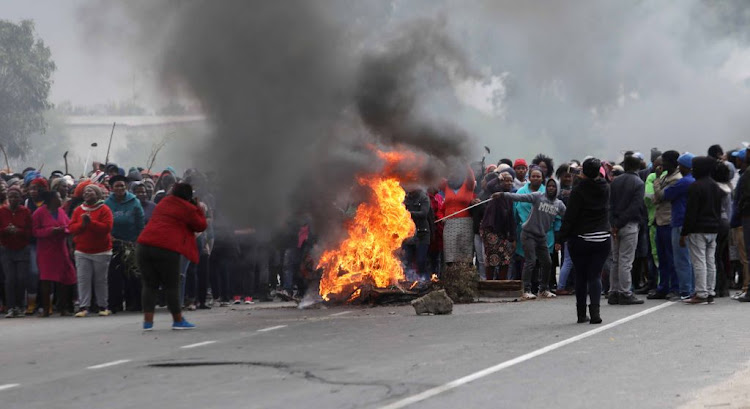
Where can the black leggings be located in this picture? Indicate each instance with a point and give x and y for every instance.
(159, 267)
(588, 259)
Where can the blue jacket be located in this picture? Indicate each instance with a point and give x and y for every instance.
(677, 194)
(128, 217)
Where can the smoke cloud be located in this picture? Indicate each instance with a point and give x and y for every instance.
(298, 99)
(298, 91)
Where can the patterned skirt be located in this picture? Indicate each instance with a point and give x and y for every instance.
(458, 240)
(497, 251)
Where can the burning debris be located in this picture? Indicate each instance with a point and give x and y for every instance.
(366, 259)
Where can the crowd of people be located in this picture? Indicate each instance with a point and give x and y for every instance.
(672, 226)
(118, 241)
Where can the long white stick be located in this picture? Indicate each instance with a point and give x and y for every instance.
(462, 210)
(86, 163)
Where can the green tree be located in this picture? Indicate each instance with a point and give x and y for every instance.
(26, 68)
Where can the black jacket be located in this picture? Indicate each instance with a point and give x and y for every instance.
(743, 190)
(588, 209)
(703, 209)
(418, 204)
(626, 203)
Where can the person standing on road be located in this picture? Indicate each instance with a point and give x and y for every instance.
(416, 247)
(498, 229)
(677, 194)
(458, 235)
(586, 230)
(521, 212)
(15, 232)
(91, 226)
(699, 231)
(669, 174)
(50, 227)
(742, 212)
(546, 211)
(627, 212)
(128, 218)
(169, 234)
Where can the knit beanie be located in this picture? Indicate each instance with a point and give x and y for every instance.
(686, 160)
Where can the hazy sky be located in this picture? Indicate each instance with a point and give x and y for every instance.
(81, 77)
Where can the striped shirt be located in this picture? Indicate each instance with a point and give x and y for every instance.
(596, 237)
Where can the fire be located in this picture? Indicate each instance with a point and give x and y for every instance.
(378, 229)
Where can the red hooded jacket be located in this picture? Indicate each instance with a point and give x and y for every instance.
(173, 226)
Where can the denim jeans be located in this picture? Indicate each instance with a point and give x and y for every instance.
(479, 252)
(417, 253)
(567, 267)
(667, 275)
(682, 264)
(702, 255)
(535, 248)
(623, 254)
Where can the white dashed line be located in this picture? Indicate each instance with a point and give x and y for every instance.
(200, 344)
(113, 363)
(338, 314)
(9, 386)
(507, 364)
(271, 328)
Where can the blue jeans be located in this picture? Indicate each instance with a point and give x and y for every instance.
(682, 264)
(667, 275)
(418, 254)
(567, 267)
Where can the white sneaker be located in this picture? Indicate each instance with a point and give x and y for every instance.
(547, 294)
(528, 296)
(738, 295)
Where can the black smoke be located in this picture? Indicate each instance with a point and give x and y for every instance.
(298, 94)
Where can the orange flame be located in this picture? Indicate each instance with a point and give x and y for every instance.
(378, 229)
(434, 278)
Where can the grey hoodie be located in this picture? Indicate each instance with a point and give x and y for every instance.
(544, 211)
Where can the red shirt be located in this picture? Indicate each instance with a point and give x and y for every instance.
(173, 226)
(459, 200)
(21, 218)
(94, 238)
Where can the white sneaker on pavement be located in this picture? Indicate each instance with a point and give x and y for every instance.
(528, 296)
(547, 294)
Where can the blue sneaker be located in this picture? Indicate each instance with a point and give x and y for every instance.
(182, 325)
(148, 326)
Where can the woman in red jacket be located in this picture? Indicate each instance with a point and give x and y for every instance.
(91, 226)
(169, 234)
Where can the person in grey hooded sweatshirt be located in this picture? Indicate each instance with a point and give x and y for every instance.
(627, 212)
(547, 212)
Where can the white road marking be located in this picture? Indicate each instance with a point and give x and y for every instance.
(338, 314)
(9, 386)
(507, 364)
(271, 328)
(200, 344)
(113, 363)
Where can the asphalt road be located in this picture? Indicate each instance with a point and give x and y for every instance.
(487, 355)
